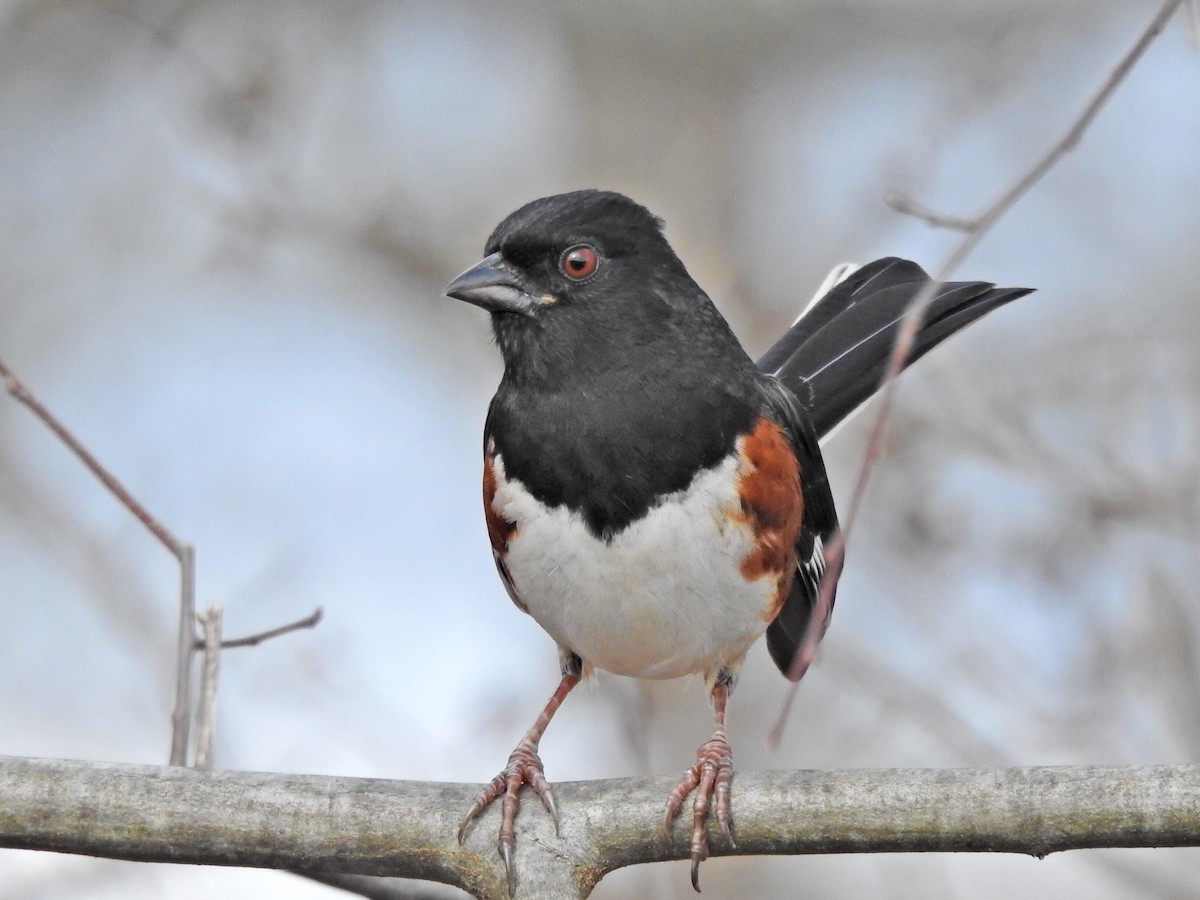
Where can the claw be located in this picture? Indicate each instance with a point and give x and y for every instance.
(547, 796)
(709, 777)
(510, 870)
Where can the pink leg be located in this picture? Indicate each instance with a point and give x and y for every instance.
(709, 776)
(524, 767)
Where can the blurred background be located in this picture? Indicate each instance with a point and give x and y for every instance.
(226, 227)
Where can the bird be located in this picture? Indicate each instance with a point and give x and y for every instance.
(654, 498)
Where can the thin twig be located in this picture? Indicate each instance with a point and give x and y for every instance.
(19, 391)
(909, 206)
(183, 552)
(251, 640)
(181, 716)
(1067, 142)
(910, 324)
(206, 715)
(982, 224)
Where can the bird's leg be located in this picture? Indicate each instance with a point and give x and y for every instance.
(709, 776)
(524, 767)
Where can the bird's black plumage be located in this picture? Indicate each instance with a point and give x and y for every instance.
(655, 499)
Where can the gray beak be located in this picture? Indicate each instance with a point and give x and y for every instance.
(492, 284)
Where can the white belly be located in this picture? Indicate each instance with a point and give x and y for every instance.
(662, 599)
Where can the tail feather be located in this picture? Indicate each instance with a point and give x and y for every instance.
(836, 354)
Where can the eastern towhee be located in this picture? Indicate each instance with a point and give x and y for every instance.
(654, 498)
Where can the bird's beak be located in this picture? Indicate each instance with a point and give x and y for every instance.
(493, 284)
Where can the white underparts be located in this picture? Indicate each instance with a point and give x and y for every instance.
(663, 598)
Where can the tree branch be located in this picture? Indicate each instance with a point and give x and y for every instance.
(406, 829)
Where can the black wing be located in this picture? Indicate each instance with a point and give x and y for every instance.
(818, 526)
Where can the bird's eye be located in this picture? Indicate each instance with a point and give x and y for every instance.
(578, 262)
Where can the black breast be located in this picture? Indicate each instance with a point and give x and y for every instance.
(610, 451)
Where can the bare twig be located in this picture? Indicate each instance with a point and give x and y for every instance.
(976, 228)
(206, 715)
(181, 716)
(19, 391)
(981, 224)
(903, 203)
(1067, 142)
(212, 645)
(183, 552)
(252, 640)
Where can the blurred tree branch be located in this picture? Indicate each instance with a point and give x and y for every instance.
(976, 225)
(974, 228)
(406, 829)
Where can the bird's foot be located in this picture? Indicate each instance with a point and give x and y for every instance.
(709, 777)
(524, 767)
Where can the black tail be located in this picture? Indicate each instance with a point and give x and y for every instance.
(835, 356)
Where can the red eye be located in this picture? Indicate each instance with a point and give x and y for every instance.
(578, 262)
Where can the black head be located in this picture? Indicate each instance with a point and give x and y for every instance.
(575, 279)
(563, 249)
